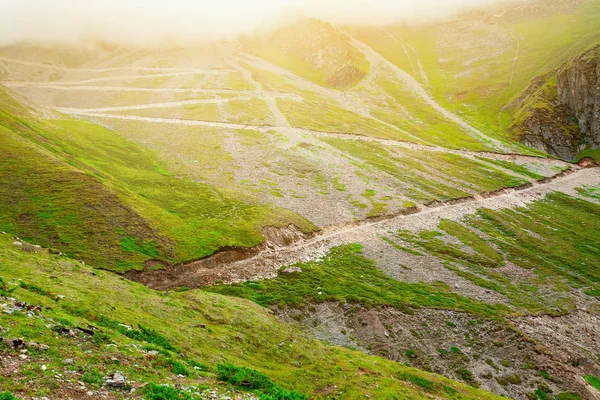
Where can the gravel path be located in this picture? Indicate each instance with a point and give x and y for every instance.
(96, 113)
(124, 77)
(266, 262)
(23, 84)
(173, 104)
(120, 68)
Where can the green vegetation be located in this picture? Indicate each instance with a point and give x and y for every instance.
(403, 108)
(479, 77)
(251, 112)
(519, 169)
(158, 392)
(568, 396)
(254, 346)
(293, 47)
(591, 153)
(251, 379)
(551, 238)
(592, 192)
(346, 275)
(320, 115)
(236, 81)
(94, 195)
(593, 380)
(413, 168)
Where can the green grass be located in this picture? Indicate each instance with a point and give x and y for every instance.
(250, 379)
(345, 275)
(473, 240)
(592, 192)
(554, 238)
(157, 392)
(519, 169)
(236, 81)
(591, 153)
(478, 90)
(251, 112)
(323, 116)
(408, 170)
(593, 380)
(431, 126)
(205, 331)
(293, 47)
(92, 194)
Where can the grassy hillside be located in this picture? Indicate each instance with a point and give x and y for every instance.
(539, 237)
(478, 63)
(94, 195)
(314, 50)
(542, 258)
(103, 323)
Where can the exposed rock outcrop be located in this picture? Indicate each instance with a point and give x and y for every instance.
(560, 114)
(578, 88)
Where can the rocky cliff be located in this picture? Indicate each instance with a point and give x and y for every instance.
(560, 113)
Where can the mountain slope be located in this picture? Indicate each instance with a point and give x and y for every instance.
(92, 194)
(481, 61)
(314, 50)
(559, 112)
(91, 317)
(353, 185)
(518, 268)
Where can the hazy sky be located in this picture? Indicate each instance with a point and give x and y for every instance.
(156, 20)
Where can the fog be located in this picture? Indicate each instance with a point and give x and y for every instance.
(154, 21)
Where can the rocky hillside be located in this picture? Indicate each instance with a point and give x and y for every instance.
(560, 114)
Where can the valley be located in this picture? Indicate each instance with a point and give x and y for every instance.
(320, 210)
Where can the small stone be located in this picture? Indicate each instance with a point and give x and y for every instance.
(43, 368)
(291, 270)
(23, 356)
(68, 361)
(115, 380)
(90, 393)
(18, 344)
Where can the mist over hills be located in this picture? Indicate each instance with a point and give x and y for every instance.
(344, 202)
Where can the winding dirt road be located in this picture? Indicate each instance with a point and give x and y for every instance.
(111, 69)
(286, 129)
(265, 260)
